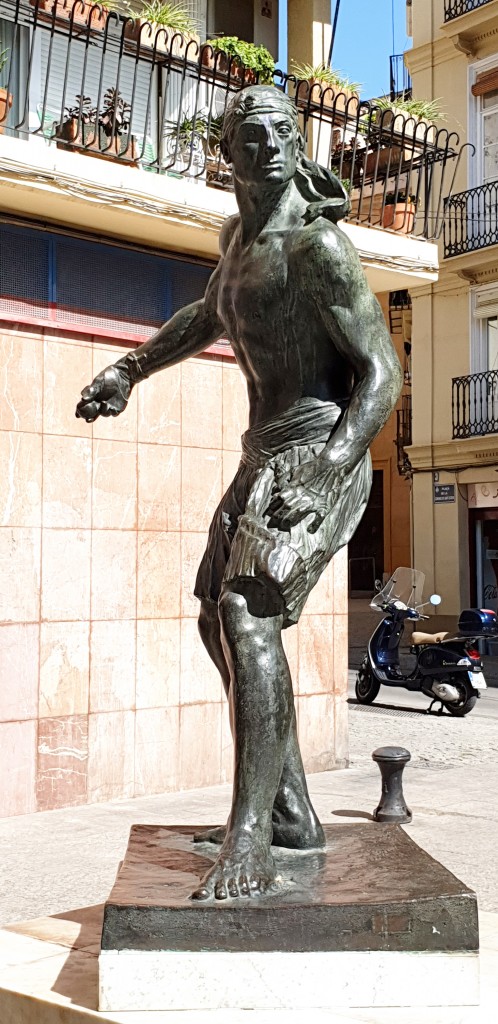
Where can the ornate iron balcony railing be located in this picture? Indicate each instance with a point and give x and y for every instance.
(400, 82)
(99, 83)
(404, 434)
(475, 404)
(455, 8)
(471, 220)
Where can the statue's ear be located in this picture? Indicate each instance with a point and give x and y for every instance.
(300, 143)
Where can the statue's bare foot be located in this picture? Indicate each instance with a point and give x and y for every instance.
(244, 868)
(295, 825)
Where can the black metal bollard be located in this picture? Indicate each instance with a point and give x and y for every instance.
(392, 807)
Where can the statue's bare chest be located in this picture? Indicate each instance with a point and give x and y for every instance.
(253, 285)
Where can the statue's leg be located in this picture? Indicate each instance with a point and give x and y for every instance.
(262, 709)
(295, 823)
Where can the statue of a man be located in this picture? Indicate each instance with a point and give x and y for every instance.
(322, 378)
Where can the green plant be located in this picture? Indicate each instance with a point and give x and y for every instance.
(4, 56)
(323, 73)
(255, 58)
(421, 110)
(401, 196)
(174, 16)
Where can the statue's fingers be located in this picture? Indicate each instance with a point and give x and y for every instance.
(89, 392)
(88, 411)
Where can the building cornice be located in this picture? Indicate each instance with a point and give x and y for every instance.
(458, 454)
(423, 57)
(473, 31)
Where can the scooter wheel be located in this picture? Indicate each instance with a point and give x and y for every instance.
(468, 700)
(367, 686)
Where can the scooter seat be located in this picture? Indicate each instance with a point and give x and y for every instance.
(428, 638)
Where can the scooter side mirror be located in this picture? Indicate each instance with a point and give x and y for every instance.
(435, 599)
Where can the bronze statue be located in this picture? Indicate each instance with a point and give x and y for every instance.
(322, 378)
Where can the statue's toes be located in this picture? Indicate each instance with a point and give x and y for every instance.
(232, 887)
(202, 893)
(220, 892)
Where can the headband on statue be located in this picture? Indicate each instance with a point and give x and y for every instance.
(321, 188)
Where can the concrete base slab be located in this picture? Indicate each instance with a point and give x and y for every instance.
(372, 920)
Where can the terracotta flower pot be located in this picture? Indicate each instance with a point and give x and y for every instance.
(81, 14)
(341, 101)
(68, 137)
(399, 216)
(5, 105)
(166, 40)
(219, 62)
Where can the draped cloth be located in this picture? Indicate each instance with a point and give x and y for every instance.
(245, 543)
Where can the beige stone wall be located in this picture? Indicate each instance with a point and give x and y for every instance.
(106, 691)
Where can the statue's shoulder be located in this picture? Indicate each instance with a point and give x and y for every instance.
(227, 231)
(321, 238)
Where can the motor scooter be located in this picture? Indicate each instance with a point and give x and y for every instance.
(446, 668)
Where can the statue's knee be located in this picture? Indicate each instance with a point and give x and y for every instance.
(232, 611)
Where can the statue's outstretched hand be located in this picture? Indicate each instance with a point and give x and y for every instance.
(107, 395)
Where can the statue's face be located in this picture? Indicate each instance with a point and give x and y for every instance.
(263, 149)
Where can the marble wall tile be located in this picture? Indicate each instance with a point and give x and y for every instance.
(235, 407)
(316, 654)
(18, 768)
(199, 679)
(114, 554)
(114, 504)
(67, 475)
(158, 577)
(124, 426)
(20, 473)
(111, 753)
(201, 487)
(67, 369)
(113, 665)
(62, 762)
(159, 487)
(21, 382)
(340, 562)
(19, 659)
(64, 669)
(20, 561)
(157, 737)
(201, 403)
(290, 638)
(160, 407)
(316, 731)
(200, 745)
(341, 731)
(158, 663)
(192, 550)
(341, 654)
(65, 575)
(321, 599)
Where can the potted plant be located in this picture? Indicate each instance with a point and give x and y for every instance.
(173, 18)
(101, 134)
(410, 118)
(229, 54)
(399, 211)
(338, 92)
(83, 12)
(5, 97)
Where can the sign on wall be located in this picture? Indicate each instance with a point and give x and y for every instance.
(444, 493)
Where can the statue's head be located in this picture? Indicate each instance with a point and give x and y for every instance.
(261, 137)
(262, 141)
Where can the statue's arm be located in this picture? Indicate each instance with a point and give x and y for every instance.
(190, 331)
(358, 331)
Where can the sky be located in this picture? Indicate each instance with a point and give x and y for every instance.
(364, 41)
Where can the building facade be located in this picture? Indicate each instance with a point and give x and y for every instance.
(454, 456)
(110, 210)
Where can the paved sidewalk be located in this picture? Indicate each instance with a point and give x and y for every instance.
(59, 860)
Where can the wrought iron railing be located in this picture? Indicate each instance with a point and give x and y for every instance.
(475, 404)
(99, 83)
(471, 220)
(400, 81)
(404, 434)
(455, 8)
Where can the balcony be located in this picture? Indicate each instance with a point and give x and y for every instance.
(471, 221)
(400, 82)
(404, 434)
(475, 404)
(455, 8)
(83, 80)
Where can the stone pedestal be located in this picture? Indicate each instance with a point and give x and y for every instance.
(370, 921)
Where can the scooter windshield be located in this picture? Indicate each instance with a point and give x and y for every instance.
(406, 585)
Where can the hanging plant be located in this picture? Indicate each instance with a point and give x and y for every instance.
(256, 61)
